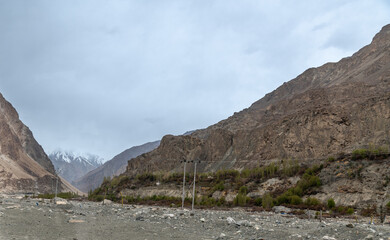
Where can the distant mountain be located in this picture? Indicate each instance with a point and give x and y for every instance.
(115, 166)
(72, 166)
(24, 166)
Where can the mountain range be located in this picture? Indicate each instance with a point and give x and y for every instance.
(113, 167)
(72, 166)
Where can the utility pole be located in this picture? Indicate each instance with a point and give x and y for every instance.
(184, 183)
(56, 188)
(57, 172)
(193, 190)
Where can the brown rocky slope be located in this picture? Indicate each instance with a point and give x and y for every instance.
(335, 108)
(24, 166)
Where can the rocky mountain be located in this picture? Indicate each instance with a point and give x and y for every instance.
(73, 166)
(335, 108)
(24, 166)
(113, 167)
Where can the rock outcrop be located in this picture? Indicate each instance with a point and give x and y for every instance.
(24, 166)
(335, 108)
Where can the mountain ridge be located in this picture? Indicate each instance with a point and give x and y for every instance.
(72, 166)
(113, 167)
(24, 166)
(334, 108)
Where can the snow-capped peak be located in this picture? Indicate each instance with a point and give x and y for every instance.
(69, 157)
(72, 166)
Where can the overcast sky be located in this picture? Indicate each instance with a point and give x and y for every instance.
(101, 76)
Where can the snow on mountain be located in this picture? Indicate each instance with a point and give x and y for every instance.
(72, 166)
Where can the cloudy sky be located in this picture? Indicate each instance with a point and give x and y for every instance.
(100, 76)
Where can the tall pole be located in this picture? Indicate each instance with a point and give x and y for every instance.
(56, 187)
(193, 190)
(184, 183)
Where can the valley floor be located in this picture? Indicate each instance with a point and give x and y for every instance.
(25, 219)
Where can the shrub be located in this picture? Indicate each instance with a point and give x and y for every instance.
(227, 174)
(207, 201)
(350, 211)
(388, 205)
(258, 201)
(341, 209)
(359, 154)
(296, 200)
(221, 201)
(219, 186)
(312, 201)
(99, 198)
(243, 190)
(331, 203)
(331, 159)
(267, 201)
(240, 200)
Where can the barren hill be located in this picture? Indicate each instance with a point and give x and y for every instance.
(24, 166)
(335, 108)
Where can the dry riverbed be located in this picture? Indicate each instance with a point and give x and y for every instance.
(36, 219)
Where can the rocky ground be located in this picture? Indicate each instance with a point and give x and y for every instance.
(22, 218)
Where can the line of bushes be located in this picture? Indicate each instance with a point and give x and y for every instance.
(373, 152)
(64, 195)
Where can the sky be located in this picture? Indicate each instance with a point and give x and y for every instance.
(101, 76)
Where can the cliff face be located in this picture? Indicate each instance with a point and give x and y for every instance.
(24, 166)
(324, 111)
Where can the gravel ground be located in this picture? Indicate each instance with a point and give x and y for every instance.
(24, 219)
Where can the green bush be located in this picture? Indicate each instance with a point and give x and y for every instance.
(243, 190)
(296, 200)
(267, 201)
(340, 209)
(331, 159)
(240, 200)
(388, 205)
(350, 211)
(64, 195)
(208, 201)
(220, 186)
(221, 201)
(99, 198)
(331, 203)
(312, 201)
(359, 154)
(258, 201)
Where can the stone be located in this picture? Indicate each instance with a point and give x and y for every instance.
(350, 225)
(328, 238)
(281, 209)
(106, 202)
(168, 215)
(244, 223)
(230, 220)
(202, 220)
(76, 221)
(369, 237)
